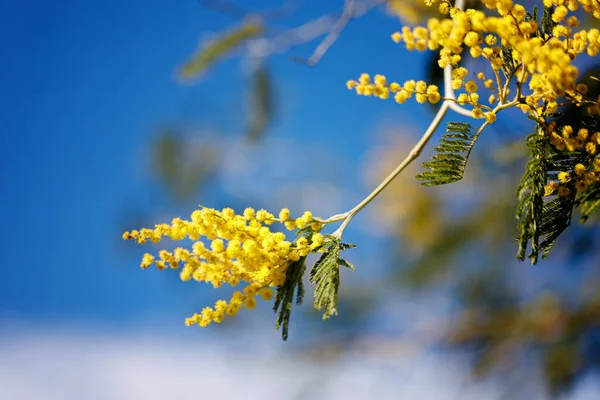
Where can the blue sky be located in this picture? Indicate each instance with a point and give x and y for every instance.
(85, 85)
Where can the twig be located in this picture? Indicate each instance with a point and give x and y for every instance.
(350, 12)
(302, 34)
(333, 35)
(449, 93)
(326, 24)
(414, 153)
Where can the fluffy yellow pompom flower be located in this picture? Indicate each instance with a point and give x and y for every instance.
(382, 89)
(147, 261)
(580, 169)
(267, 294)
(237, 248)
(284, 214)
(471, 86)
(477, 113)
(564, 177)
(490, 117)
(550, 188)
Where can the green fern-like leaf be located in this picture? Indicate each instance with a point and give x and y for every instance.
(326, 274)
(556, 217)
(448, 165)
(534, 16)
(508, 62)
(542, 222)
(530, 194)
(547, 24)
(284, 297)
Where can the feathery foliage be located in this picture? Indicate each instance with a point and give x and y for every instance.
(284, 297)
(543, 221)
(326, 274)
(453, 153)
(539, 218)
(533, 16)
(530, 194)
(547, 24)
(556, 217)
(508, 62)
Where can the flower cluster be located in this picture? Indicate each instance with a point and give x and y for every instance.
(380, 88)
(242, 248)
(582, 176)
(542, 61)
(423, 92)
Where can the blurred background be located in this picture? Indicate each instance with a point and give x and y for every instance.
(118, 115)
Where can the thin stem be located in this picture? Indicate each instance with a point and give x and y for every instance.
(449, 93)
(333, 35)
(414, 153)
(460, 110)
(350, 12)
(448, 104)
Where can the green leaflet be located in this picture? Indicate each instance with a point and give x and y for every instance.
(284, 297)
(547, 24)
(556, 217)
(542, 221)
(326, 274)
(453, 153)
(218, 48)
(530, 194)
(508, 62)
